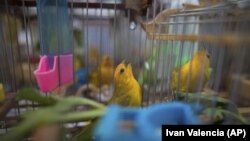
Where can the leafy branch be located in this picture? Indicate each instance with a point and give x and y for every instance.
(215, 107)
(57, 110)
(218, 113)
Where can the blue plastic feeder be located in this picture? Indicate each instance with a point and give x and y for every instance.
(134, 124)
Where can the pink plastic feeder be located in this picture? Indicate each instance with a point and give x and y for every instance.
(62, 71)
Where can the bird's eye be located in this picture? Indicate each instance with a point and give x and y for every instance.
(208, 56)
(121, 71)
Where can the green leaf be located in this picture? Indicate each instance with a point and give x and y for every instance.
(219, 114)
(58, 112)
(213, 113)
(34, 95)
(215, 107)
(207, 100)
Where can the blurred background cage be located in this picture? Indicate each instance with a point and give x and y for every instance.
(157, 37)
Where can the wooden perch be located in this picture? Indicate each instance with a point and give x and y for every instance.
(228, 39)
(191, 6)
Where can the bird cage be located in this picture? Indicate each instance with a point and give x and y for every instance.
(53, 54)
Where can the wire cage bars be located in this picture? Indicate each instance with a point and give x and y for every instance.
(160, 38)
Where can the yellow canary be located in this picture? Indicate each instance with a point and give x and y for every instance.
(103, 75)
(2, 95)
(127, 91)
(94, 55)
(196, 71)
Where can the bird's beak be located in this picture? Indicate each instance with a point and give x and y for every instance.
(125, 62)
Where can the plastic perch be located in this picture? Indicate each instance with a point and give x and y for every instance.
(48, 79)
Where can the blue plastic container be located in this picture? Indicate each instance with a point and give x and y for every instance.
(134, 124)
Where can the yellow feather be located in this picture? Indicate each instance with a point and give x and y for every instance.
(196, 71)
(127, 90)
(103, 75)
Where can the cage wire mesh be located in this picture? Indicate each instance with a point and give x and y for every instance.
(161, 41)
